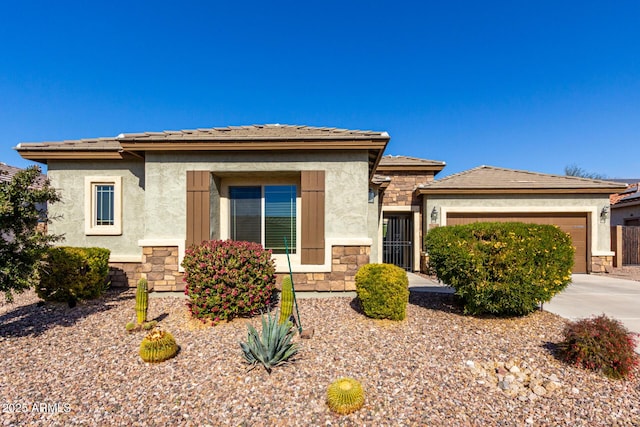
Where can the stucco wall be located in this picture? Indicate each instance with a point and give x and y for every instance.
(346, 186)
(600, 231)
(68, 178)
(347, 211)
(160, 219)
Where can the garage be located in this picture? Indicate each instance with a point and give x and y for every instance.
(578, 206)
(575, 224)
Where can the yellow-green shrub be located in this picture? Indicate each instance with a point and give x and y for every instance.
(383, 290)
(501, 268)
(69, 273)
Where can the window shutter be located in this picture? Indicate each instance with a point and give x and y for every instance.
(198, 190)
(312, 242)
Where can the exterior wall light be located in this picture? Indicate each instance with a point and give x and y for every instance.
(604, 214)
(434, 215)
(372, 195)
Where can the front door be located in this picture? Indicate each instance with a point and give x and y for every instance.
(397, 244)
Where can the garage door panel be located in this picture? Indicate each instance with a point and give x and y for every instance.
(575, 224)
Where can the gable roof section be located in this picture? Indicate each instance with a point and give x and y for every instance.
(231, 138)
(494, 180)
(405, 163)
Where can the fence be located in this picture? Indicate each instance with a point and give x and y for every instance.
(630, 245)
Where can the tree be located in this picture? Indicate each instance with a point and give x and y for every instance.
(575, 170)
(22, 244)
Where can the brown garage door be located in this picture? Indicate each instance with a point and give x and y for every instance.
(573, 223)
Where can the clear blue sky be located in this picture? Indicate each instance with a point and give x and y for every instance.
(533, 85)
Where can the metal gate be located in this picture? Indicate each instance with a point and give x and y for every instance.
(397, 246)
(630, 245)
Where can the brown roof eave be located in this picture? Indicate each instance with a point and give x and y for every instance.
(250, 138)
(412, 168)
(625, 204)
(43, 156)
(200, 145)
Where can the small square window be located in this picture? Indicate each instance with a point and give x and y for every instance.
(103, 205)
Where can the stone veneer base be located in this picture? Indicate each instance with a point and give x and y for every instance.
(160, 267)
(345, 262)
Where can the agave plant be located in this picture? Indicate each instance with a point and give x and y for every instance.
(273, 348)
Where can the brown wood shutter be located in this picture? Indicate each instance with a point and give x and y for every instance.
(198, 191)
(312, 190)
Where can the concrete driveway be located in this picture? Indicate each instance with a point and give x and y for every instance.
(591, 295)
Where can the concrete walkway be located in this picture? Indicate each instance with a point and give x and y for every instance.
(422, 284)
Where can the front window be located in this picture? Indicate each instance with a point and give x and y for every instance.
(265, 215)
(103, 205)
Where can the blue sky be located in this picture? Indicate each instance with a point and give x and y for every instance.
(533, 85)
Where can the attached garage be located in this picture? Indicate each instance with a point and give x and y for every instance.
(579, 206)
(575, 224)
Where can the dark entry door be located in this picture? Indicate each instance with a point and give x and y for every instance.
(397, 246)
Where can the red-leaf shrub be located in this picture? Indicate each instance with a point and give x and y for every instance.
(226, 279)
(599, 344)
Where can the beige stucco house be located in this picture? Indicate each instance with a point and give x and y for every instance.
(334, 196)
(148, 196)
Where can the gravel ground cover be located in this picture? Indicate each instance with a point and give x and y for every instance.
(78, 366)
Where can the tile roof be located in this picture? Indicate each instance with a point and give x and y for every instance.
(229, 133)
(269, 131)
(380, 179)
(631, 194)
(10, 171)
(89, 144)
(485, 178)
(391, 160)
(231, 138)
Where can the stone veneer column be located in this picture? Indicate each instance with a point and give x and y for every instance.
(160, 266)
(601, 264)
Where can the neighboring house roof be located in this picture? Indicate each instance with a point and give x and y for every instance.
(490, 179)
(628, 197)
(8, 172)
(625, 180)
(231, 138)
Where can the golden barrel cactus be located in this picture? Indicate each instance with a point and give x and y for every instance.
(345, 395)
(158, 346)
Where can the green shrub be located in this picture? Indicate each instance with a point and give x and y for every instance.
(501, 268)
(227, 278)
(383, 290)
(600, 344)
(70, 274)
